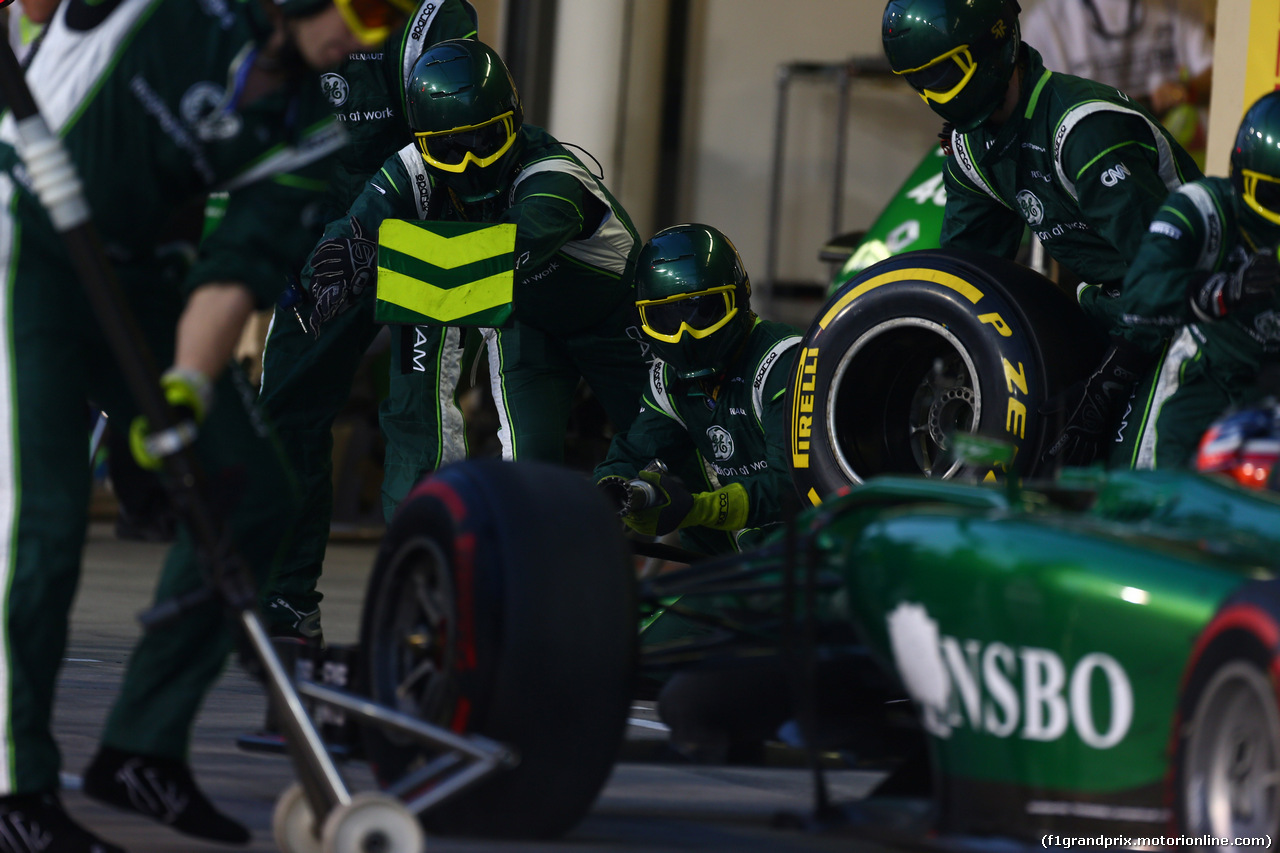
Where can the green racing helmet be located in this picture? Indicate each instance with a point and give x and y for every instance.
(694, 299)
(957, 54)
(1255, 172)
(466, 116)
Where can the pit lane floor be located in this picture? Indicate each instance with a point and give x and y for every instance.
(645, 807)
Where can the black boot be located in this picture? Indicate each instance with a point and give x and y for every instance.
(36, 823)
(159, 788)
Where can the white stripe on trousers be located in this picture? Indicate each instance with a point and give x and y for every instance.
(1168, 381)
(499, 396)
(453, 443)
(8, 477)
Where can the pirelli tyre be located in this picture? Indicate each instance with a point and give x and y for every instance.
(1226, 735)
(923, 345)
(502, 603)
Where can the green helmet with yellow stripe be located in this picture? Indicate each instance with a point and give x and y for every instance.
(1255, 172)
(694, 299)
(466, 116)
(957, 54)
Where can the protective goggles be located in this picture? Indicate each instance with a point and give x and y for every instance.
(943, 78)
(371, 21)
(482, 144)
(700, 314)
(1262, 194)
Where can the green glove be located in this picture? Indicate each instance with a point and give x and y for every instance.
(723, 509)
(189, 393)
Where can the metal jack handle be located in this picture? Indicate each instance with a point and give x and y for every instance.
(58, 186)
(312, 763)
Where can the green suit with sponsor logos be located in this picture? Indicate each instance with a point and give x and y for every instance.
(153, 123)
(740, 428)
(1081, 165)
(573, 297)
(1206, 366)
(306, 380)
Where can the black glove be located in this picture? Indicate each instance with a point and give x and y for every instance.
(341, 269)
(1094, 405)
(1214, 297)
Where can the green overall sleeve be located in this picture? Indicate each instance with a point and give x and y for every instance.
(1155, 290)
(771, 491)
(267, 232)
(385, 196)
(974, 220)
(654, 434)
(1113, 162)
(552, 289)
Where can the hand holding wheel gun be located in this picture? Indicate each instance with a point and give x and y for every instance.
(656, 503)
(637, 494)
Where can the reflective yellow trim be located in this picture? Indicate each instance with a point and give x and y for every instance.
(507, 118)
(371, 36)
(410, 252)
(963, 58)
(1251, 179)
(446, 252)
(959, 285)
(444, 304)
(731, 310)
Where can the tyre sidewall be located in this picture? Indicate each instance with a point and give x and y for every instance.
(1246, 629)
(952, 295)
(546, 637)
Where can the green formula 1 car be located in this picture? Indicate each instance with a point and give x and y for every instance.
(1028, 654)
(1095, 655)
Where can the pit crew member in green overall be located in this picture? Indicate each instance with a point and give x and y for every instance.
(307, 376)
(158, 103)
(1079, 163)
(1207, 272)
(717, 387)
(475, 161)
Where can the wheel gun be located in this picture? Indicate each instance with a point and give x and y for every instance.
(636, 494)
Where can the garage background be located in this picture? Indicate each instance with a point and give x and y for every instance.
(679, 101)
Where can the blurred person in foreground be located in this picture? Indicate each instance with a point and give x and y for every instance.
(158, 103)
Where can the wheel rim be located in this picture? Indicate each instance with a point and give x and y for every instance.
(1232, 775)
(413, 644)
(897, 393)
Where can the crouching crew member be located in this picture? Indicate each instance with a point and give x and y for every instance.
(717, 387)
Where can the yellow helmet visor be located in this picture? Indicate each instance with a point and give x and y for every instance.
(1262, 194)
(482, 144)
(941, 79)
(372, 21)
(700, 314)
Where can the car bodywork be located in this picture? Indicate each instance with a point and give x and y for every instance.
(1043, 633)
